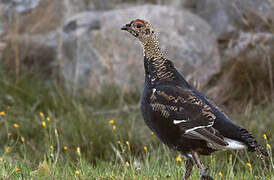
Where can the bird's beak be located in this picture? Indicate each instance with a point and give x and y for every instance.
(125, 27)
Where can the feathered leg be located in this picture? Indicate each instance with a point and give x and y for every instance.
(203, 171)
(188, 165)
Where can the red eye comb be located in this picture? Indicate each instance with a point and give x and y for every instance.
(138, 22)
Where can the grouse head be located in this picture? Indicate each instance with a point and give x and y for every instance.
(139, 29)
(145, 33)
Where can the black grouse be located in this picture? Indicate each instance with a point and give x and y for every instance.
(182, 117)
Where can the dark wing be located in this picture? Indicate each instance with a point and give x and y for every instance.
(187, 111)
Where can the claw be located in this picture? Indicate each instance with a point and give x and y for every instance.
(203, 171)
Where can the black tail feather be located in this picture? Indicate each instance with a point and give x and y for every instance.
(251, 143)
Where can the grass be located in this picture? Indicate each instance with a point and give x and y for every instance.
(39, 119)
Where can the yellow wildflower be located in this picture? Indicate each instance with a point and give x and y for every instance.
(152, 134)
(44, 124)
(249, 165)
(78, 151)
(119, 142)
(65, 148)
(48, 119)
(77, 172)
(7, 149)
(127, 164)
(220, 174)
(42, 115)
(22, 139)
(2, 113)
(111, 121)
(265, 137)
(17, 169)
(114, 127)
(179, 159)
(166, 163)
(51, 147)
(15, 125)
(127, 143)
(268, 146)
(145, 148)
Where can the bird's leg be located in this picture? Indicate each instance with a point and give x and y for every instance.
(188, 165)
(203, 171)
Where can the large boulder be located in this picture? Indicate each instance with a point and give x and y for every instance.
(229, 17)
(96, 51)
(90, 50)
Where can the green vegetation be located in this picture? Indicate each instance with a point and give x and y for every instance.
(47, 134)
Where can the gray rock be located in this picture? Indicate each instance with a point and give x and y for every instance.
(226, 17)
(96, 51)
(90, 49)
(19, 6)
(251, 46)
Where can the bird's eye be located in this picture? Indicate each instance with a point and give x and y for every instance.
(138, 24)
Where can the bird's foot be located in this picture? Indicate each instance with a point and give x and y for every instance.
(204, 175)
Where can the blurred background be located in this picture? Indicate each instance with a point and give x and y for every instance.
(225, 45)
(69, 60)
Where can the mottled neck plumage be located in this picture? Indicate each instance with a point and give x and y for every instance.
(157, 67)
(151, 48)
